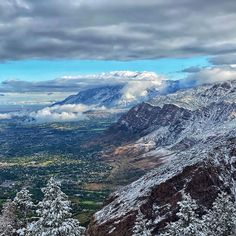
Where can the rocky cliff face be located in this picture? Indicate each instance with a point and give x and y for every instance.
(192, 111)
(197, 142)
(171, 124)
(202, 172)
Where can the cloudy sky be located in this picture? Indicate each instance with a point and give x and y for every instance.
(43, 42)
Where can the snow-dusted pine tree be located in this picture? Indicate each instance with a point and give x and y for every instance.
(188, 223)
(24, 204)
(8, 220)
(141, 225)
(221, 219)
(54, 214)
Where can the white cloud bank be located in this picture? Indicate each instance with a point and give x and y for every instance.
(138, 87)
(65, 113)
(5, 116)
(60, 113)
(212, 75)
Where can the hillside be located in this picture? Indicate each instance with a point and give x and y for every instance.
(190, 137)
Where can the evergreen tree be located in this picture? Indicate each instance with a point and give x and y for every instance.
(8, 220)
(54, 214)
(188, 223)
(221, 219)
(24, 204)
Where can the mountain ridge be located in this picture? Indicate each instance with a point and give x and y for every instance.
(122, 89)
(194, 146)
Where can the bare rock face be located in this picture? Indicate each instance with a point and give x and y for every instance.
(145, 118)
(136, 119)
(200, 173)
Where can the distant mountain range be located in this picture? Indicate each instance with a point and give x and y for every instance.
(122, 90)
(190, 137)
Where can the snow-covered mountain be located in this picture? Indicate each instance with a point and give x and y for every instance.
(200, 96)
(107, 95)
(122, 89)
(202, 171)
(192, 138)
(184, 114)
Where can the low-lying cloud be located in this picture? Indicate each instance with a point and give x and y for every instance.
(61, 113)
(136, 84)
(5, 116)
(66, 113)
(212, 75)
(57, 113)
(135, 90)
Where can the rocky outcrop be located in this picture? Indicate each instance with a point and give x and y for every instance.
(144, 118)
(192, 135)
(170, 124)
(201, 172)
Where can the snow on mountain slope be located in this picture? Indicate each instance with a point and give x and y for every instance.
(121, 89)
(208, 106)
(196, 128)
(101, 96)
(200, 96)
(172, 125)
(202, 171)
(199, 125)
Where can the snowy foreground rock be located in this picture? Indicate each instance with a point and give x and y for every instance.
(198, 127)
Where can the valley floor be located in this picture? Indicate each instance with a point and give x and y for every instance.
(30, 154)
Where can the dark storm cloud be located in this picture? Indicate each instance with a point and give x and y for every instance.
(228, 59)
(57, 85)
(192, 69)
(119, 30)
